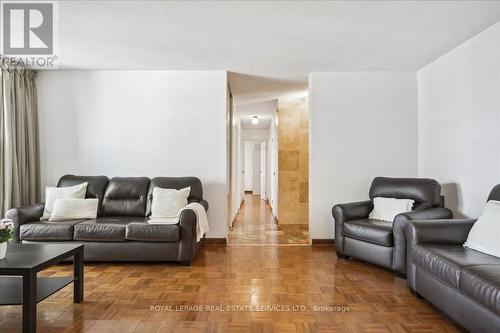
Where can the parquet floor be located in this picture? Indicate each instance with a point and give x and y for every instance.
(301, 285)
(256, 225)
(254, 211)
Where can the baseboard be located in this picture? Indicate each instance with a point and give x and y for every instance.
(323, 241)
(218, 241)
(223, 241)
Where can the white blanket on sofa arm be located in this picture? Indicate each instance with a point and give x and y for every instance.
(201, 219)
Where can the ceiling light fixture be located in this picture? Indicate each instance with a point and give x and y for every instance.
(255, 120)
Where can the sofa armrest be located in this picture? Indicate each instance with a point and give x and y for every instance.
(352, 210)
(187, 243)
(23, 215)
(202, 202)
(436, 213)
(347, 212)
(398, 229)
(453, 232)
(447, 231)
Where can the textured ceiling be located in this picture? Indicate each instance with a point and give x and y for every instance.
(271, 40)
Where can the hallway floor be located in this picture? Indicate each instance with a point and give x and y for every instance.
(255, 225)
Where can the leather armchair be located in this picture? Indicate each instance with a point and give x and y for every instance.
(381, 242)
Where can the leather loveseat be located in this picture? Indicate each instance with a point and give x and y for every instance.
(383, 242)
(461, 282)
(120, 232)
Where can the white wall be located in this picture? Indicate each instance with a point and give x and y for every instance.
(363, 125)
(273, 164)
(137, 123)
(264, 189)
(235, 167)
(459, 122)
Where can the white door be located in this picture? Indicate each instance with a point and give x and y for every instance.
(256, 169)
(263, 159)
(248, 165)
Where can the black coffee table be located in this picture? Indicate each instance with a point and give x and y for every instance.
(21, 285)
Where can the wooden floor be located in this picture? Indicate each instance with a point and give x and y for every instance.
(255, 225)
(329, 295)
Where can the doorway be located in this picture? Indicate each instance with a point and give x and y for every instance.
(272, 164)
(254, 168)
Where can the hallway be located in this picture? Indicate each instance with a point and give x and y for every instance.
(255, 225)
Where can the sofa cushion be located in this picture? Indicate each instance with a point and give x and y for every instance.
(483, 236)
(52, 194)
(145, 232)
(105, 229)
(482, 283)
(195, 195)
(446, 261)
(95, 188)
(372, 231)
(125, 196)
(386, 209)
(48, 231)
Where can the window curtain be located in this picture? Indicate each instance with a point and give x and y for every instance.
(19, 156)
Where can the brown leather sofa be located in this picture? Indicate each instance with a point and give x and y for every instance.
(120, 232)
(461, 282)
(382, 242)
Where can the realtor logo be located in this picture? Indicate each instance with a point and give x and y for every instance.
(28, 32)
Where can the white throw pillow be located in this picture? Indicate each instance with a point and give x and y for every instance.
(74, 209)
(484, 233)
(54, 193)
(386, 209)
(168, 202)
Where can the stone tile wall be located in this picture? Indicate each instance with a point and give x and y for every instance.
(293, 161)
